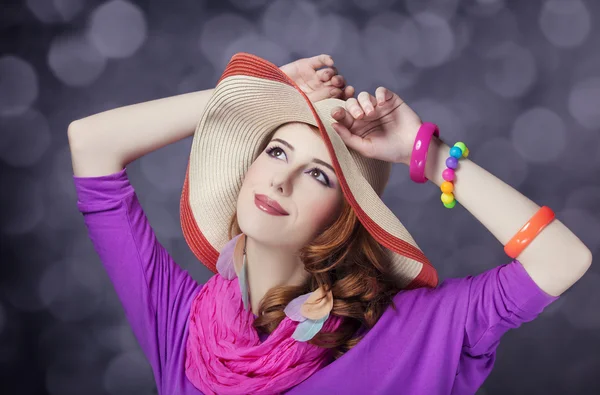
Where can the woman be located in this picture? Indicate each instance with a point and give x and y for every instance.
(319, 287)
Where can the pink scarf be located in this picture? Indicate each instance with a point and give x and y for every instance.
(224, 354)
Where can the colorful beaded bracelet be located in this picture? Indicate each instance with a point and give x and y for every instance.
(459, 150)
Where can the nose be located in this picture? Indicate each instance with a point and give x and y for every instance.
(282, 181)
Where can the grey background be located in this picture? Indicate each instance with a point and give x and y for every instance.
(518, 82)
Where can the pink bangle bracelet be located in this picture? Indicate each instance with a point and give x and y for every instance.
(418, 157)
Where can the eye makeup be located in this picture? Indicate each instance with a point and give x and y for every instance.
(326, 181)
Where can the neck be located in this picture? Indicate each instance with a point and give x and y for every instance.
(270, 267)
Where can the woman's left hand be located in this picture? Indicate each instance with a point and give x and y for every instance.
(318, 78)
(381, 127)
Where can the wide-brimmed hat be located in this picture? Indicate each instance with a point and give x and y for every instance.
(252, 98)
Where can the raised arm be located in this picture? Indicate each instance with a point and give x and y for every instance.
(104, 143)
(555, 259)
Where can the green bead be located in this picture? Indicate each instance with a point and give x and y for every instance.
(451, 204)
(461, 145)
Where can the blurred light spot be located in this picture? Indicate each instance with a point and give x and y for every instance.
(21, 290)
(587, 157)
(44, 10)
(582, 301)
(62, 172)
(74, 61)
(445, 117)
(115, 338)
(84, 265)
(248, 4)
(196, 79)
(481, 111)
(22, 205)
(585, 198)
(385, 30)
(285, 21)
(584, 100)
(18, 86)
(434, 40)
(165, 168)
(565, 24)
(499, 156)
(55, 11)
(539, 135)
(483, 8)
(373, 5)
(218, 33)
(499, 28)
(388, 65)
(68, 9)
(443, 8)
(511, 69)
(117, 29)
(128, 373)
(463, 33)
(330, 36)
(25, 139)
(66, 297)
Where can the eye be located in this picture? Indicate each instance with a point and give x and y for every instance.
(277, 148)
(325, 178)
(274, 148)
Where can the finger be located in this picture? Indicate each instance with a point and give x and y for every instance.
(324, 93)
(326, 73)
(316, 62)
(361, 145)
(348, 92)
(338, 81)
(367, 102)
(354, 108)
(383, 94)
(342, 116)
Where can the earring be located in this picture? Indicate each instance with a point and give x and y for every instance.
(242, 279)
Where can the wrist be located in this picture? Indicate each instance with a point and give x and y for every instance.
(436, 160)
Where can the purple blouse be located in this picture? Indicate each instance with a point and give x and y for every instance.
(439, 341)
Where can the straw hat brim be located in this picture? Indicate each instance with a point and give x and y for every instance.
(252, 98)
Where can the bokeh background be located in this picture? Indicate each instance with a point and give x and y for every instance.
(518, 81)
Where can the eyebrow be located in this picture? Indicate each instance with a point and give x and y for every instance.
(316, 160)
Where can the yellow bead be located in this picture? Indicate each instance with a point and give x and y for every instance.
(465, 153)
(447, 197)
(447, 187)
(451, 204)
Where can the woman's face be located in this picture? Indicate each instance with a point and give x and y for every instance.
(296, 171)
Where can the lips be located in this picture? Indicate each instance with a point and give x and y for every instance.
(270, 203)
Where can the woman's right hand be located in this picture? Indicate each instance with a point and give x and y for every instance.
(317, 77)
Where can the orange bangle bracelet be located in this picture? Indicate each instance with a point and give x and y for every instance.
(529, 231)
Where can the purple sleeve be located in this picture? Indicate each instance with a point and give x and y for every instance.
(154, 291)
(498, 300)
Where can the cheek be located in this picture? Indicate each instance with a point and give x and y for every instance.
(319, 211)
